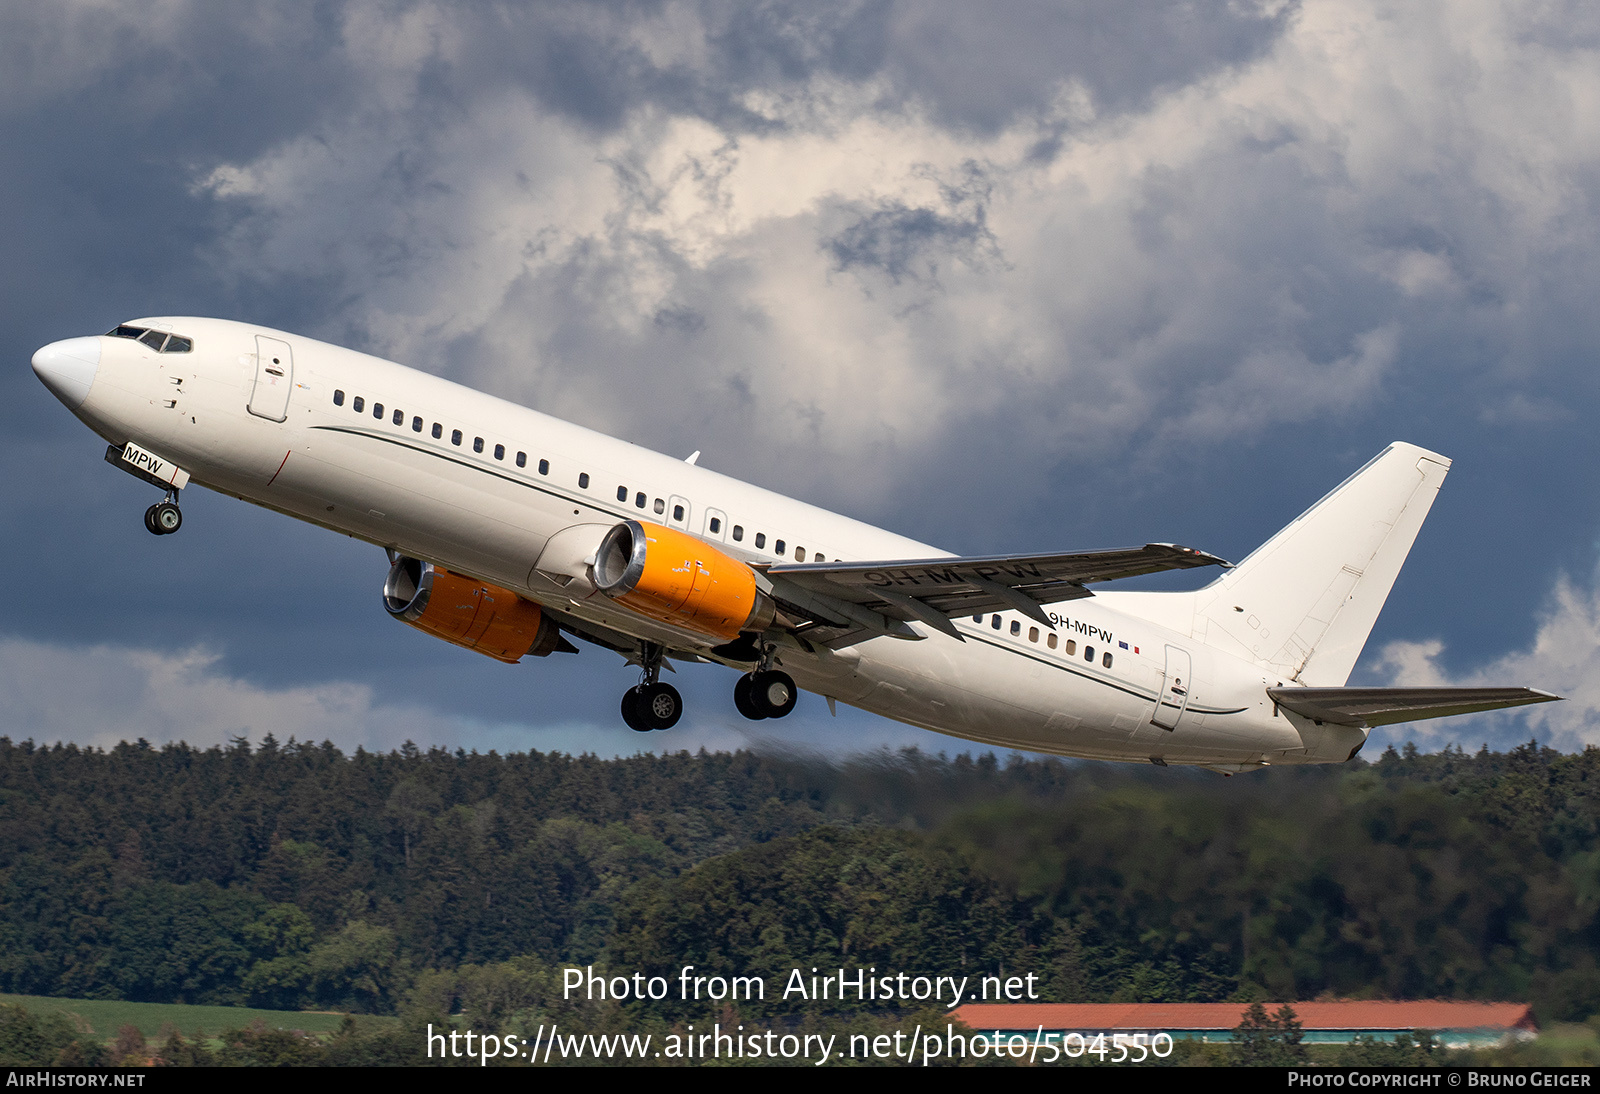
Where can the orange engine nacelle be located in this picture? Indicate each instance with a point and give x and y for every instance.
(673, 577)
(482, 617)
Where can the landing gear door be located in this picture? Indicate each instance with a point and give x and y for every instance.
(1173, 699)
(269, 398)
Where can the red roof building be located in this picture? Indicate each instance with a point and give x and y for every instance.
(1456, 1023)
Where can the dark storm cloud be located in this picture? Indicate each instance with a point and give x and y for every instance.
(109, 113)
(1086, 298)
(979, 67)
(223, 81)
(585, 60)
(912, 241)
(974, 68)
(895, 238)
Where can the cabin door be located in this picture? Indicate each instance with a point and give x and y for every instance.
(1173, 699)
(269, 398)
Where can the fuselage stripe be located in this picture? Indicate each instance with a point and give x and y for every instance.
(624, 513)
(402, 443)
(1076, 671)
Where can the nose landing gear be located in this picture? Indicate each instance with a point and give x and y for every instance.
(164, 518)
(652, 704)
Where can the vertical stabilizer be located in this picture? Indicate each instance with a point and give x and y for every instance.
(1305, 601)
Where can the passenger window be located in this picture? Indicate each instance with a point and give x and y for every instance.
(177, 345)
(659, 507)
(583, 481)
(455, 436)
(1088, 654)
(777, 548)
(677, 514)
(358, 404)
(438, 431)
(716, 525)
(622, 493)
(1033, 634)
(522, 459)
(416, 425)
(499, 451)
(1071, 647)
(153, 339)
(544, 467)
(977, 619)
(799, 554)
(639, 499)
(738, 533)
(761, 539)
(1051, 641)
(338, 398)
(399, 417)
(477, 444)
(377, 410)
(1016, 626)
(817, 557)
(994, 621)
(1105, 660)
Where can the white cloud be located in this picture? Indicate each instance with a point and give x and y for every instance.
(857, 252)
(101, 695)
(1248, 251)
(1564, 658)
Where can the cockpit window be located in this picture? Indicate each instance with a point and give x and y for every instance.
(154, 338)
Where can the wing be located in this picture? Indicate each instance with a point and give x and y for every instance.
(1387, 706)
(881, 597)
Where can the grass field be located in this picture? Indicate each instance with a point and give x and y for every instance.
(105, 1016)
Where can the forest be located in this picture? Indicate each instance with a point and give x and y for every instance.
(293, 876)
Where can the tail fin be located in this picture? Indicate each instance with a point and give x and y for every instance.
(1304, 602)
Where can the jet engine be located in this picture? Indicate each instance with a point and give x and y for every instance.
(493, 621)
(675, 578)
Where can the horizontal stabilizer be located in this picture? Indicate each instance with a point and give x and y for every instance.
(1387, 706)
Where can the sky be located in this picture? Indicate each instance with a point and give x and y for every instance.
(1004, 278)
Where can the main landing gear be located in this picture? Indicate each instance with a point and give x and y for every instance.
(164, 517)
(765, 693)
(652, 704)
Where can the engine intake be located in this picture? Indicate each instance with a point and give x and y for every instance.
(493, 621)
(673, 577)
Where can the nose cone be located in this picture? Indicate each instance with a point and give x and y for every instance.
(68, 367)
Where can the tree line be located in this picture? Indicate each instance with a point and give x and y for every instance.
(293, 875)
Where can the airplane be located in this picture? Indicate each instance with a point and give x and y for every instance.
(510, 532)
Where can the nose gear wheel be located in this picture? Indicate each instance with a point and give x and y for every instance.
(163, 518)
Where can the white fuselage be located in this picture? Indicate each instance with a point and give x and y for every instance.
(463, 500)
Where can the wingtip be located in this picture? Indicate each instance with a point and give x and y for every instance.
(1201, 558)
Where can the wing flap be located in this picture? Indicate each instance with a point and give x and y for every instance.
(1388, 706)
(956, 586)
